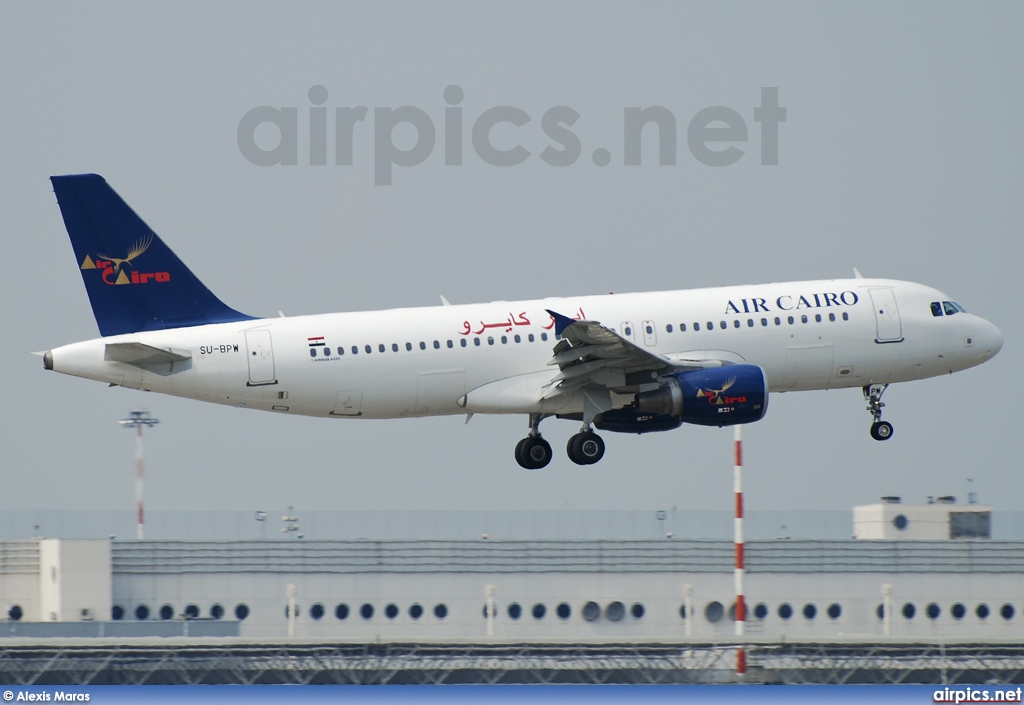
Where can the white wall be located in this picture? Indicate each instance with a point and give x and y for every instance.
(74, 580)
(660, 594)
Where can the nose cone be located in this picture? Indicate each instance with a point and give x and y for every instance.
(989, 339)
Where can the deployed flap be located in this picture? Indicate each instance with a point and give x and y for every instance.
(164, 361)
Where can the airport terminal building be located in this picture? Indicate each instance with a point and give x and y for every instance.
(606, 594)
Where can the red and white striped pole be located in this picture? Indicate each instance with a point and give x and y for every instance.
(139, 473)
(136, 420)
(741, 609)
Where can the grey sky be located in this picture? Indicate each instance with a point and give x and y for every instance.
(901, 155)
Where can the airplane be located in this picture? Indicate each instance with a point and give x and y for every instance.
(625, 363)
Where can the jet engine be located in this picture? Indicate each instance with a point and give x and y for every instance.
(720, 396)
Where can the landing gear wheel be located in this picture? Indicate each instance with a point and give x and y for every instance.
(533, 453)
(519, 453)
(585, 448)
(881, 430)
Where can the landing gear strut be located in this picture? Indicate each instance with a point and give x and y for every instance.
(880, 430)
(585, 448)
(533, 452)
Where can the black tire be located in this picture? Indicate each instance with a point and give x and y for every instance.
(570, 450)
(534, 453)
(519, 454)
(585, 448)
(881, 430)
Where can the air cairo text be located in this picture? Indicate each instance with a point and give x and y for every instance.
(789, 303)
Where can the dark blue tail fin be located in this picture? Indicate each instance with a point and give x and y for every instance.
(134, 281)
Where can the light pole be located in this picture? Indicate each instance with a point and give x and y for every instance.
(291, 523)
(136, 420)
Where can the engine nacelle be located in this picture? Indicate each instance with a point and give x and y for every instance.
(720, 396)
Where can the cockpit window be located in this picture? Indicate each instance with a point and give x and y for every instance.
(949, 307)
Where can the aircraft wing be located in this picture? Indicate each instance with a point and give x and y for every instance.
(591, 354)
(597, 360)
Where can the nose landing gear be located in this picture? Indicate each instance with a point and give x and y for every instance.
(533, 452)
(880, 430)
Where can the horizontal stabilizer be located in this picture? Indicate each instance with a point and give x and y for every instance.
(163, 361)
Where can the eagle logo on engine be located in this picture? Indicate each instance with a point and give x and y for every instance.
(717, 397)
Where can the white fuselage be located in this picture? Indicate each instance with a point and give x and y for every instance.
(428, 361)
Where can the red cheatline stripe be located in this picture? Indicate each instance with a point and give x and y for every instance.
(312, 339)
(739, 555)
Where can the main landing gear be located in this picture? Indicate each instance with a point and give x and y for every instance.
(880, 430)
(533, 452)
(585, 448)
